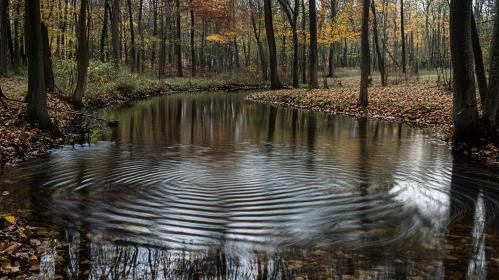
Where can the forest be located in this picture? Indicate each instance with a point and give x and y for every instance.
(255, 139)
(92, 52)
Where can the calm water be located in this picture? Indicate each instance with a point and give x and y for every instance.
(211, 186)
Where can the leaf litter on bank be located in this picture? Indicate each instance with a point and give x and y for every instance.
(21, 249)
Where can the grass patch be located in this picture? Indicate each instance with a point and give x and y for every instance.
(105, 81)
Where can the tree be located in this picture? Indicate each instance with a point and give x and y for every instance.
(104, 32)
(491, 103)
(274, 79)
(402, 34)
(82, 55)
(178, 40)
(193, 49)
(364, 63)
(313, 45)
(47, 60)
(479, 65)
(4, 6)
(292, 15)
(37, 98)
(381, 60)
(115, 33)
(331, 46)
(257, 31)
(465, 113)
(132, 38)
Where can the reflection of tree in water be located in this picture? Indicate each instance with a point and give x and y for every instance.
(343, 197)
(472, 244)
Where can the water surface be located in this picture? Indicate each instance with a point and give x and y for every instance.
(212, 186)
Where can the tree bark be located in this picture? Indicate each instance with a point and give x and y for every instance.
(402, 33)
(104, 33)
(193, 47)
(4, 5)
(274, 79)
(491, 103)
(37, 97)
(82, 56)
(381, 61)
(313, 45)
(465, 113)
(364, 63)
(133, 53)
(178, 41)
(304, 45)
(261, 53)
(17, 57)
(140, 51)
(115, 33)
(332, 45)
(292, 15)
(154, 32)
(47, 59)
(479, 65)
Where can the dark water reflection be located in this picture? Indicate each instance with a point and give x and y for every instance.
(211, 186)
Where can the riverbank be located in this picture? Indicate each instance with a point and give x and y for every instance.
(422, 106)
(19, 140)
(21, 248)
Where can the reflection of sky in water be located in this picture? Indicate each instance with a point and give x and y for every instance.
(210, 183)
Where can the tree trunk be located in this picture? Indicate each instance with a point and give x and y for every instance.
(465, 113)
(193, 48)
(292, 16)
(202, 56)
(140, 51)
(178, 41)
(47, 59)
(4, 4)
(133, 53)
(331, 46)
(479, 65)
(37, 97)
(154, 32)
(491, 103)
(236, 49)
(261, 53)
(104, 33)
(364, 63)
(296, 82)
(381, 61)
(274, 79)
(313, 45)
(116, 33)
(82, 56)
(402, 33)
(17, 57)
(304, 44)
(428, 37)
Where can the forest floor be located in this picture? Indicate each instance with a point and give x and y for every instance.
(19, 140)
